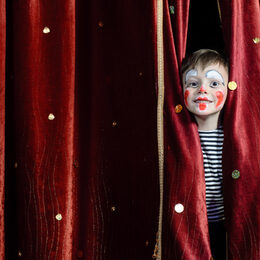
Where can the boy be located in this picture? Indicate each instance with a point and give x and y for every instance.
(205, 79)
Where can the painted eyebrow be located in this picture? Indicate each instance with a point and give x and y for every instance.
(191, 73)
(214, 74)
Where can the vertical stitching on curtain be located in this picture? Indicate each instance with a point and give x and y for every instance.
(160, 136)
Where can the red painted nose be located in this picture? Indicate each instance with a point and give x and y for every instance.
(202, 89)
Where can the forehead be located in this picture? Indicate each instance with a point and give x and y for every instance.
(207, 71)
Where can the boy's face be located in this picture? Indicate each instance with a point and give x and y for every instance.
(205, 90)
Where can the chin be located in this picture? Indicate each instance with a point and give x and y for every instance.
(204, 114)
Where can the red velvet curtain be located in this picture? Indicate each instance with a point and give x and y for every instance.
(78, 105)
(185, 235)
(81, 166)
(241, 28)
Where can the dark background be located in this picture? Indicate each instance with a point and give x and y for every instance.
(205, 31)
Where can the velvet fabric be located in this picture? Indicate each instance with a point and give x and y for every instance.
(185, 234)
(82, 167)
(80, 141)
(241, 27)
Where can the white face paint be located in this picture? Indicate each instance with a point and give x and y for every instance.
(191, 73)
(213, 74)
(204, 94)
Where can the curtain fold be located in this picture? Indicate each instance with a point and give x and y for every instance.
(241, 27)
(185, 235)
(43, 92)
(81, 170)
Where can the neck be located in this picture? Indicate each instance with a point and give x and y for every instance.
(208, 123)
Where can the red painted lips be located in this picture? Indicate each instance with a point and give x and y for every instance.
(202, 99)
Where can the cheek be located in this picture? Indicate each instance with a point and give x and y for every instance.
(220, 97)
(186, 95)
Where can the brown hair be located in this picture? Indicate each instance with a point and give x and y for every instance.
(203, 57)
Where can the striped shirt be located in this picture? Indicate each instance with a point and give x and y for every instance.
(211, 145)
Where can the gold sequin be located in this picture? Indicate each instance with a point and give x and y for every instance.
(232, 85)
(146, 243)
(140, 74)
(114, 124)
(46, 30)
(235, 174)
(51, 117)
(178, 108)
(113, 209)
(59, 217)
(171, 9)
(101, 24)
(20, 254)
(15, 165)
(256, 40)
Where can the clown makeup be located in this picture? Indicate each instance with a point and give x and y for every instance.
(186, 95)
(213, 74)
(203, 106)
(205, 93)
(191, 73)
(220, 97)
(205, 90)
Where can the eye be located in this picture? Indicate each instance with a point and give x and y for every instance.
(214, 84)
(193, 84)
